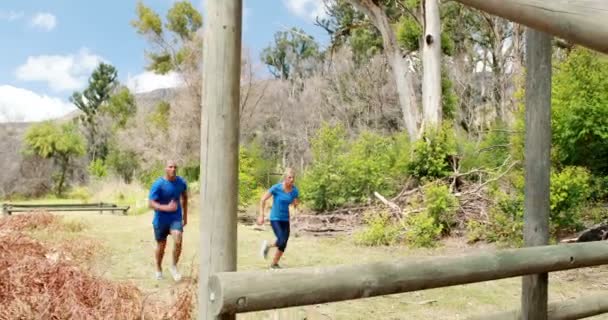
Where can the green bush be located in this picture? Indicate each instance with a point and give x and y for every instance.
(441, 204)
(580, 110)
(350, 172)
(124, 163)
(191, 171)
(366, 166)
(422, 230)
(380, 230)
(432, 154)
(97, 168)
(570, 190)
(598, 188)
(505, 223)
(147, 176)
(80, 193)
(247, 182)
(323, 184)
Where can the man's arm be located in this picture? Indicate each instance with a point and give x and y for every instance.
(185, 208)
(155, 205)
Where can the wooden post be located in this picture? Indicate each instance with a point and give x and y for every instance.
(578, 308)
(219, 145)
(579, 21)
(537, 166)
(245, 291)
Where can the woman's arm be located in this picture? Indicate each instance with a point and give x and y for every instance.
(265, 197)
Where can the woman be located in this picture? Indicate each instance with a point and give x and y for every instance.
(283, 194)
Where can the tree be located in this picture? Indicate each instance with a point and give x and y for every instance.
(123, 163)
(376, 11)
(62, 144)
(291, 54)
(176, 45)
(431, 59)
(580, 110)
(121, 107)
(102, 82)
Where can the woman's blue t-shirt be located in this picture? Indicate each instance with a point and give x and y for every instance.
(281, 201)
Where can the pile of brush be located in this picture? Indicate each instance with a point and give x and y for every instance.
(42, 282)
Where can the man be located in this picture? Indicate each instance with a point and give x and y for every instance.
(170, 216)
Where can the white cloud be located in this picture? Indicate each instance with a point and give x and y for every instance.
(44, 20)
(17, 104)
(307, 9)
(67, 72)
(149, 81)
(10, 15)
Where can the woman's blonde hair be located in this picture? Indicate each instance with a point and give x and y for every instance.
(289, 171)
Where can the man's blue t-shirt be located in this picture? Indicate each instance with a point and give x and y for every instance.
(281, 201)
(163, 191)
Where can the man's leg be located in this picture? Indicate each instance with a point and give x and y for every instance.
(176, 233)
(160, 252)
(177, 248)
(160, 234)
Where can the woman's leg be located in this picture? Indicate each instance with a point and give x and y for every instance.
(282, 230)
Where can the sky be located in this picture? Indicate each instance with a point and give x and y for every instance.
(49, 48)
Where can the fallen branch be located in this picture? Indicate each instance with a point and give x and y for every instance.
(394, 208)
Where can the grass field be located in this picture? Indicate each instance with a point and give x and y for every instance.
(128, 256)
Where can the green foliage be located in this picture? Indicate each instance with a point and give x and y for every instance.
(148, 175)
(159, 118)
(172, 40)
(286, 56)
(121, 107)
(98, 169)
(80, 193)
(366, 166)
(599, 188)
(365, 43)
(449, 99)
(247, 182)
(489, 153)
(505, 221)
(348, 26)
(432, 154)
(191, 171)
(62, 144)
(423, 230)
(570, 189)
(409, 33)
(380, 230)
(580, 110)
(401, 149)
(322, 186)
(184, 19)
(148, 21)
(124, 163)
(254, 172)
(441, 205)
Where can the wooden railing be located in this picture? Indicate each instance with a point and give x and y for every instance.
(9, 208)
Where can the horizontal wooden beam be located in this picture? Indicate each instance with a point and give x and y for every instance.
(584, 22)
(578, 308)
(245, 291)
(51, 205)
(67, 209)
